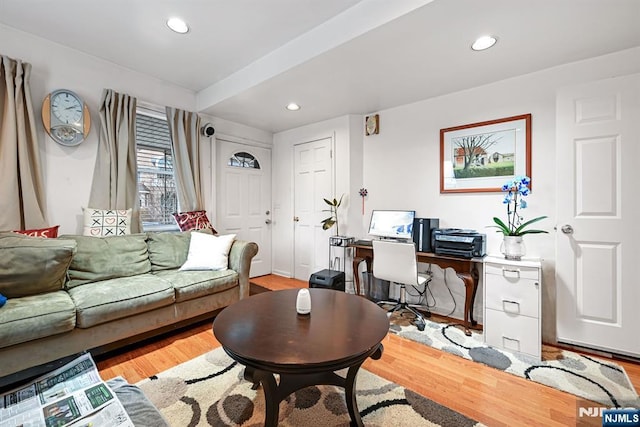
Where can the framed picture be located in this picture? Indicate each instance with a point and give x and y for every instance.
(481, 157)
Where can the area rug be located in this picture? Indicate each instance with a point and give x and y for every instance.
(588, 377)
(210, 390)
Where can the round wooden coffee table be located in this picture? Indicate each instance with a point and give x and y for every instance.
(267, 335)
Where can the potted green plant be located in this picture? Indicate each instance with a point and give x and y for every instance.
(513, 245)
(327, 223)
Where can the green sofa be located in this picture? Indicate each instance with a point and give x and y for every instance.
(78, 293)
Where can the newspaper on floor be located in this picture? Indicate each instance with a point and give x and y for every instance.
(73, 395)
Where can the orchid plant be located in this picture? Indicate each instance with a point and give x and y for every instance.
(516, 189)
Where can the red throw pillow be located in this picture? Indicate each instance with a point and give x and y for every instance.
(196, 220)
(50, 232)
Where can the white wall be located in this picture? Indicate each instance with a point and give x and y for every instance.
(68, 171)
(401, 166)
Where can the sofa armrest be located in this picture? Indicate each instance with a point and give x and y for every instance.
(240, 256)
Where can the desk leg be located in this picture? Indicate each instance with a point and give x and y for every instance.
(471, 286)
(476, 278)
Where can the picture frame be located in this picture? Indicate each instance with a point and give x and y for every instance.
(481, 157)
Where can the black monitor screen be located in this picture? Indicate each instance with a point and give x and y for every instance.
(392, 224)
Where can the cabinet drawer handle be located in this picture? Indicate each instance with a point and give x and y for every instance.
(515, 343)
(516, 303)
(510, 343)
(511, 273)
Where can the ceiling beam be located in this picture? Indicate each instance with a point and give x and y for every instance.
(353, 22)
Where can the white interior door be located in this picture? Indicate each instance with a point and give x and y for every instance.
(312, 183)
(597, 242)
(244, 198)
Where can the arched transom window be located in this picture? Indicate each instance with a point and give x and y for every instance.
(243, 160)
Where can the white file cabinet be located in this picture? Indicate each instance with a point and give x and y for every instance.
(512, 305)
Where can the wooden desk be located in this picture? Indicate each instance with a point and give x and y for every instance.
(465, 269)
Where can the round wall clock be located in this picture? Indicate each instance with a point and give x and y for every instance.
(66, 117)
(372, 124)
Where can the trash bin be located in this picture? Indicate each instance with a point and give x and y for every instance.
(375, 289)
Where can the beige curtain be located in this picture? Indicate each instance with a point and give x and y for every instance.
(22, 196)
(184, 127)
(115, 183)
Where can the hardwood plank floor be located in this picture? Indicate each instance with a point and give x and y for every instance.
(488, 395)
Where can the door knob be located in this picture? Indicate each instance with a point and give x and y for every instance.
(567, 229)
(267, 221)
(296, 219)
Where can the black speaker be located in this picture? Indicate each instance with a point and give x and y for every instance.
(422, 228)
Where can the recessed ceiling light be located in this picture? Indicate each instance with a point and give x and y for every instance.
(292, 106)
(178, 25)
(484, 42)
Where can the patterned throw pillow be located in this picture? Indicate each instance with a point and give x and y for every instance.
(106, 222)
(195, 220)
(50, 232)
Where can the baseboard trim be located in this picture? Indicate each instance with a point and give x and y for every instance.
(597, 352)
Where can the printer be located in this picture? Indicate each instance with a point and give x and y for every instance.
(459, 242)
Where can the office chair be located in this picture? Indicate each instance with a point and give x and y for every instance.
(396, 262)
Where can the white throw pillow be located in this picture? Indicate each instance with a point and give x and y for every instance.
(208, 252)
(106, 222)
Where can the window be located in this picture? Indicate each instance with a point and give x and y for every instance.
(156, 182)
(243, 160)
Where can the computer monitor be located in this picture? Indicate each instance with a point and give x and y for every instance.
(392, 224)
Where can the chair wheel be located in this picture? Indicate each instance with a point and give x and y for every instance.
(420, 326)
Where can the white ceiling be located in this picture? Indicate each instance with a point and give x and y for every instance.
(246, 59)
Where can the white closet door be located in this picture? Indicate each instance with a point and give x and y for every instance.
(598, 234)
(313, 182)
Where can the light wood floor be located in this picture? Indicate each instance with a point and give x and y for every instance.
(488, 395)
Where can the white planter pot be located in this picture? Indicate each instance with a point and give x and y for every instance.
(513, 248)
